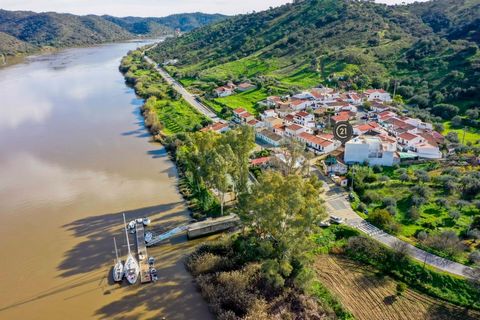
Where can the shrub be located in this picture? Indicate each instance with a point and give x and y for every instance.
(474, 257)
(389, 202)
(447, 242)
(413, 213)
(401, 287)
(204, 263)
(384, 220)
(362, 207)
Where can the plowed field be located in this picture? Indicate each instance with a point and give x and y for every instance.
(369, 297)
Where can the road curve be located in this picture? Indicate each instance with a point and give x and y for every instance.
(338, 205)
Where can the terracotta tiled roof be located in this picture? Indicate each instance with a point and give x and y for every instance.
(407, 136)
(294, 127)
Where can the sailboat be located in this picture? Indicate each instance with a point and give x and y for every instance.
(131, 267)
(117, 271)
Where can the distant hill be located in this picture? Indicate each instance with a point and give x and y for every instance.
(24, 31)
(184, 22)
(429, 49)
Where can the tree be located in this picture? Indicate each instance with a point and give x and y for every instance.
(283, 211)
(473, 113)
(452, 137)
(446, 111)
(404, 177)
(457, 121)
(470, 184)
(447, 242)
(422, 175)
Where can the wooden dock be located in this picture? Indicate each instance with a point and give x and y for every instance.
(142, 253)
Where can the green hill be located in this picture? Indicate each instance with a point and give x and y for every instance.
(24, 31)
(429, 49)
(158, 26)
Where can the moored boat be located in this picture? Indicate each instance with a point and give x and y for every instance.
(117, 272)
(131, 267)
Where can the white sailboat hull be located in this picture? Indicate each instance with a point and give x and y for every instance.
(132, 269)
(118, 272)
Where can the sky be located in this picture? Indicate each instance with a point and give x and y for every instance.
(143, 8)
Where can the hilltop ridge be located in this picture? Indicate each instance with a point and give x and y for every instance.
(429, 49)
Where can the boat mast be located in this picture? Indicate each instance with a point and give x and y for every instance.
(116, 251)
(126, 233)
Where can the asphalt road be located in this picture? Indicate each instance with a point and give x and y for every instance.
(190, 98)
(336, 200)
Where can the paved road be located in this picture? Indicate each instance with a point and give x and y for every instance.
(190, 98)
(336, 200)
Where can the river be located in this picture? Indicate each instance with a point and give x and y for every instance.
(74, 155)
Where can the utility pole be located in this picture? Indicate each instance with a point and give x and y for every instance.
(395, 83)
(464, 133)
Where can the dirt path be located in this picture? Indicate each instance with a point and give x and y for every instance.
(369, 297)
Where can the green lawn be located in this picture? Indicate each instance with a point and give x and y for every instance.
(177, 116)
(246, 100)
(471, 135)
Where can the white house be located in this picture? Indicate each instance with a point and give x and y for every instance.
(294, 130)
(272, 122)
(269, 137)
(300, 104)
(318, 144)
(378, 94)
(418, 123)
(225, 91)
(219, 127)
(396, 126)
(427, 151)
(371, 149)
(241, 115)
(409, 139)
(354, 98)
(254, 123)
(304, 119)
(361, 129)
(270, 113)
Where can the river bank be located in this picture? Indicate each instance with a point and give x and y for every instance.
(61, 205)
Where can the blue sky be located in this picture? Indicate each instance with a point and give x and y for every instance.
(147, 7)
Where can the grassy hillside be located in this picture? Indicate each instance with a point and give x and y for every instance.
(429, 49)
(23, 31)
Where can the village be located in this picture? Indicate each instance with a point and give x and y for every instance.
(382, 134)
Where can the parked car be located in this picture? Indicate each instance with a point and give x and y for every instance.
(336, 220)
(324, 223)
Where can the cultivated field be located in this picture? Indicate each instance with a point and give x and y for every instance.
(369, 297)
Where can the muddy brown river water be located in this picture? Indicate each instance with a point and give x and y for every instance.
(74, 155)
